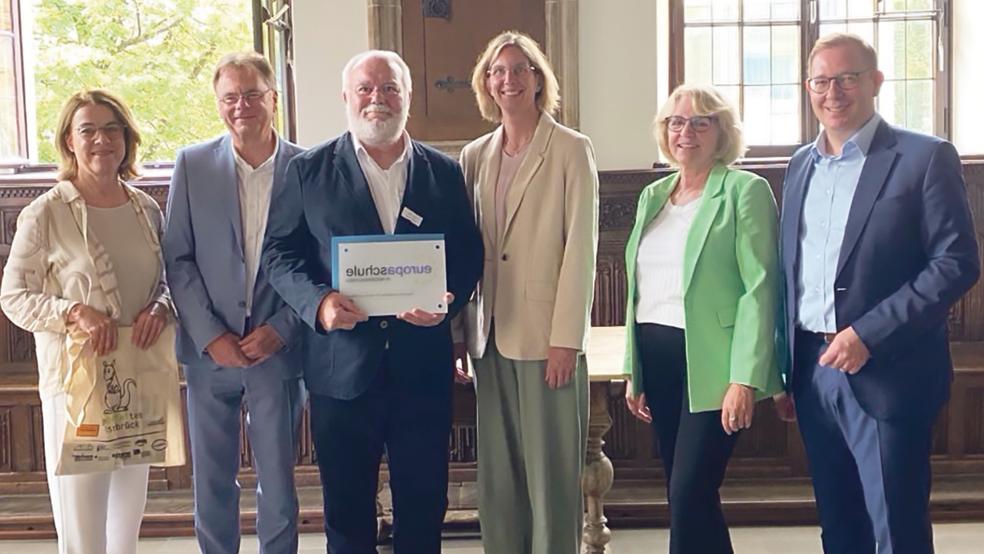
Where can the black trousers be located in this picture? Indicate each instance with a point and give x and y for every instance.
(413, 423)
(693, 446)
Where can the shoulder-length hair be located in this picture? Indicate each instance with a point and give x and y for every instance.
(547, 98)
(704, 100)
(68, 169)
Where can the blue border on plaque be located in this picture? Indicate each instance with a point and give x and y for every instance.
(338, 241)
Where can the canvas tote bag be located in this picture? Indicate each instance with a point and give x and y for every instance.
(123, 408)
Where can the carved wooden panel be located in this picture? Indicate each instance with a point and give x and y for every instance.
(6, 440)
(973, 411)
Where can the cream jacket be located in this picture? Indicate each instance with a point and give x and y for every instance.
(538, 281)
(54, 264)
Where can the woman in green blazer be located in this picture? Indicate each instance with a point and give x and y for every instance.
(702, 271)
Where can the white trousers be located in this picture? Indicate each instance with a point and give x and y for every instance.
(95, 513)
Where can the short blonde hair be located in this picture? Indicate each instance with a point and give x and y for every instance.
(704, 100)
(249, 61)
(833, 40)
(547, 98)
(68, 169)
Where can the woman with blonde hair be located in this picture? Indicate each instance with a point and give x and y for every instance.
(702, 270)
(535, 189)
(86, 256)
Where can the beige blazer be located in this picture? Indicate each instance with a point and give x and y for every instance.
(538, 281)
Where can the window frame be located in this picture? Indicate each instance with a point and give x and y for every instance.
(269, 34)
(809, 33)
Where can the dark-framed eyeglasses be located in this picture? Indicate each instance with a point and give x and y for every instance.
(112, 131)
(698, 123)
(848, 80)
(249, 97)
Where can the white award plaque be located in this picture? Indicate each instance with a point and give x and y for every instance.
(389, 274)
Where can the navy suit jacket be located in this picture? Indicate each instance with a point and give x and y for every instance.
(203, 255)
(326, 195)
(909, 253)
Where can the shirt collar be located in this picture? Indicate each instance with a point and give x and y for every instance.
(244, 165)
(859, 141)
(363, 154)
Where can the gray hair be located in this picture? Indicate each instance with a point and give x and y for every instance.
(389, 56)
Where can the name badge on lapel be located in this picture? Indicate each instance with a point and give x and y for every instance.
(411, 216)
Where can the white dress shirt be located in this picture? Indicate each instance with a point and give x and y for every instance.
(386, 185)
(255, 186)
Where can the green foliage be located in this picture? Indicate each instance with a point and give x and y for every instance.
(157, 54)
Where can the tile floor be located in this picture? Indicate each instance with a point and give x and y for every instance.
(951, 538)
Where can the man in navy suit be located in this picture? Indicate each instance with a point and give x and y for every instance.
(375, 382)
(877, 244)
(239, 341)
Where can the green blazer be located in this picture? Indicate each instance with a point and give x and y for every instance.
(730, 286)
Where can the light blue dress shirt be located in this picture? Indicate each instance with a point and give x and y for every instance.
(829, 195)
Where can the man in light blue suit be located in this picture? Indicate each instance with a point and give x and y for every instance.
(238, 340)
(877, 244)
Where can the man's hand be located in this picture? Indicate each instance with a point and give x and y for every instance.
(423, 318)
(261, 343)
(737, 408)
(225, 351)
(637, 404)
(846, 353)
(337, 311)
(148, 325)
(785, 406)
(460, 361)
(560, 366)
(100, 327)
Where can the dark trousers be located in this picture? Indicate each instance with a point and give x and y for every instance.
(693, 446)
(871, 478)
(412, 422)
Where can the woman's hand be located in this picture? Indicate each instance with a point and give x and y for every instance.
(148, 325)
(637, 404)
(737, 408)
(100, 327)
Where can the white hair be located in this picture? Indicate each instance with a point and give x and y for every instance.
(389, 56)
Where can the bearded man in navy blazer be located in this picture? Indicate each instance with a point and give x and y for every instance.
(239, 342)
(877, 245)
(375, 382)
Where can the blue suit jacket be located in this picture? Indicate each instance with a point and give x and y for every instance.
(324, 195)
(203, 254)
(909, 253)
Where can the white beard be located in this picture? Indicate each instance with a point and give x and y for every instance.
(376, 132)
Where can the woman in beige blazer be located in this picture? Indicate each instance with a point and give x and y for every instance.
(87, 255)
(535, 189)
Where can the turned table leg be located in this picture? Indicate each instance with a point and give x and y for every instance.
(598, 473)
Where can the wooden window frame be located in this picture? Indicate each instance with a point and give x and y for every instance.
(23, 153)
(809, 33)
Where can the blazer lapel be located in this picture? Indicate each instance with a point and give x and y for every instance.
(710, 204)
(348, 169)
(792, 214)
(649, 207)
(527, 169)
(873, 177)
(419, 176)
(487, 177)
(229, 183)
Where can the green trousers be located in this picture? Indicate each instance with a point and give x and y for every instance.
(531, 446)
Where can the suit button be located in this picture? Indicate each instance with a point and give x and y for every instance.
(383, 324)
(505, 257)
(242, 303)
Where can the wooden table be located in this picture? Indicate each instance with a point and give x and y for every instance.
(606, 351)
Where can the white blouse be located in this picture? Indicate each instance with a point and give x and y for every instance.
(659, 265)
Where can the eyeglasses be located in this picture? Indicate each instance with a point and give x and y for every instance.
(518, 71)
(112, 131)
(249, 97)
(845, 81)
(698, 123)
